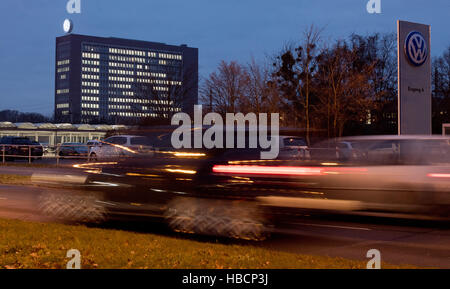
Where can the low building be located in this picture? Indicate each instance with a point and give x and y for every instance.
(54, 134)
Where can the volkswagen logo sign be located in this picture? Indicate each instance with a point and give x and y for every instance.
(416, 48)
(68, 26)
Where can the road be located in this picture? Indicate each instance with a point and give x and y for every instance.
(424, 244)
(19, 202)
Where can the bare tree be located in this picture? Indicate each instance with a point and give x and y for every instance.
(263, 96)
(380, 50)
(285, 82)
(307, 56)
(346, 92)
(226, 89)
(295, 73)
(441, 90)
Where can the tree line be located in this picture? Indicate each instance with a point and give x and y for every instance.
(16, 116)
(347, 87)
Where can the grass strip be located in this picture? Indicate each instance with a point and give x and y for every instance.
(41, 245)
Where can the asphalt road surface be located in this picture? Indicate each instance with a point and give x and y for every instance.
(424, 244)
(19, 202)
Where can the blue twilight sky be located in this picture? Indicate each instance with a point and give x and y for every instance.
(221, 29)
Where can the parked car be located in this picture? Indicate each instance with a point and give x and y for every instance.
(120, 146)
(338, 150)
(20, 148)
(38, 149)
(347, 150)
(93, 143)
(73, 150)
(293, 148)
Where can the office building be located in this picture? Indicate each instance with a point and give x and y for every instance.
(121, 81)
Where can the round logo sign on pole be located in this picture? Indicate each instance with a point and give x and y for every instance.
(416, 48)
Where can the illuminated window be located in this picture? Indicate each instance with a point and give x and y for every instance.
(62, 91)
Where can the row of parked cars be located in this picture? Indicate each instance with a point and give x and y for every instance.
(110, 148)
(344, 150)
(16, 148)
(291, 148)
(116, 146)
(20, 147)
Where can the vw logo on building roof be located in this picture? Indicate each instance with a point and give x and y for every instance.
(416, 48)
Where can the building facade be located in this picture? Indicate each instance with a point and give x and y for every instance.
(121, 81)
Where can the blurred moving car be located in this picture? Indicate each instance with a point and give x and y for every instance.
(292, 147)
(20, 148)
(73, 150)
(233, 193)
(120, 146)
